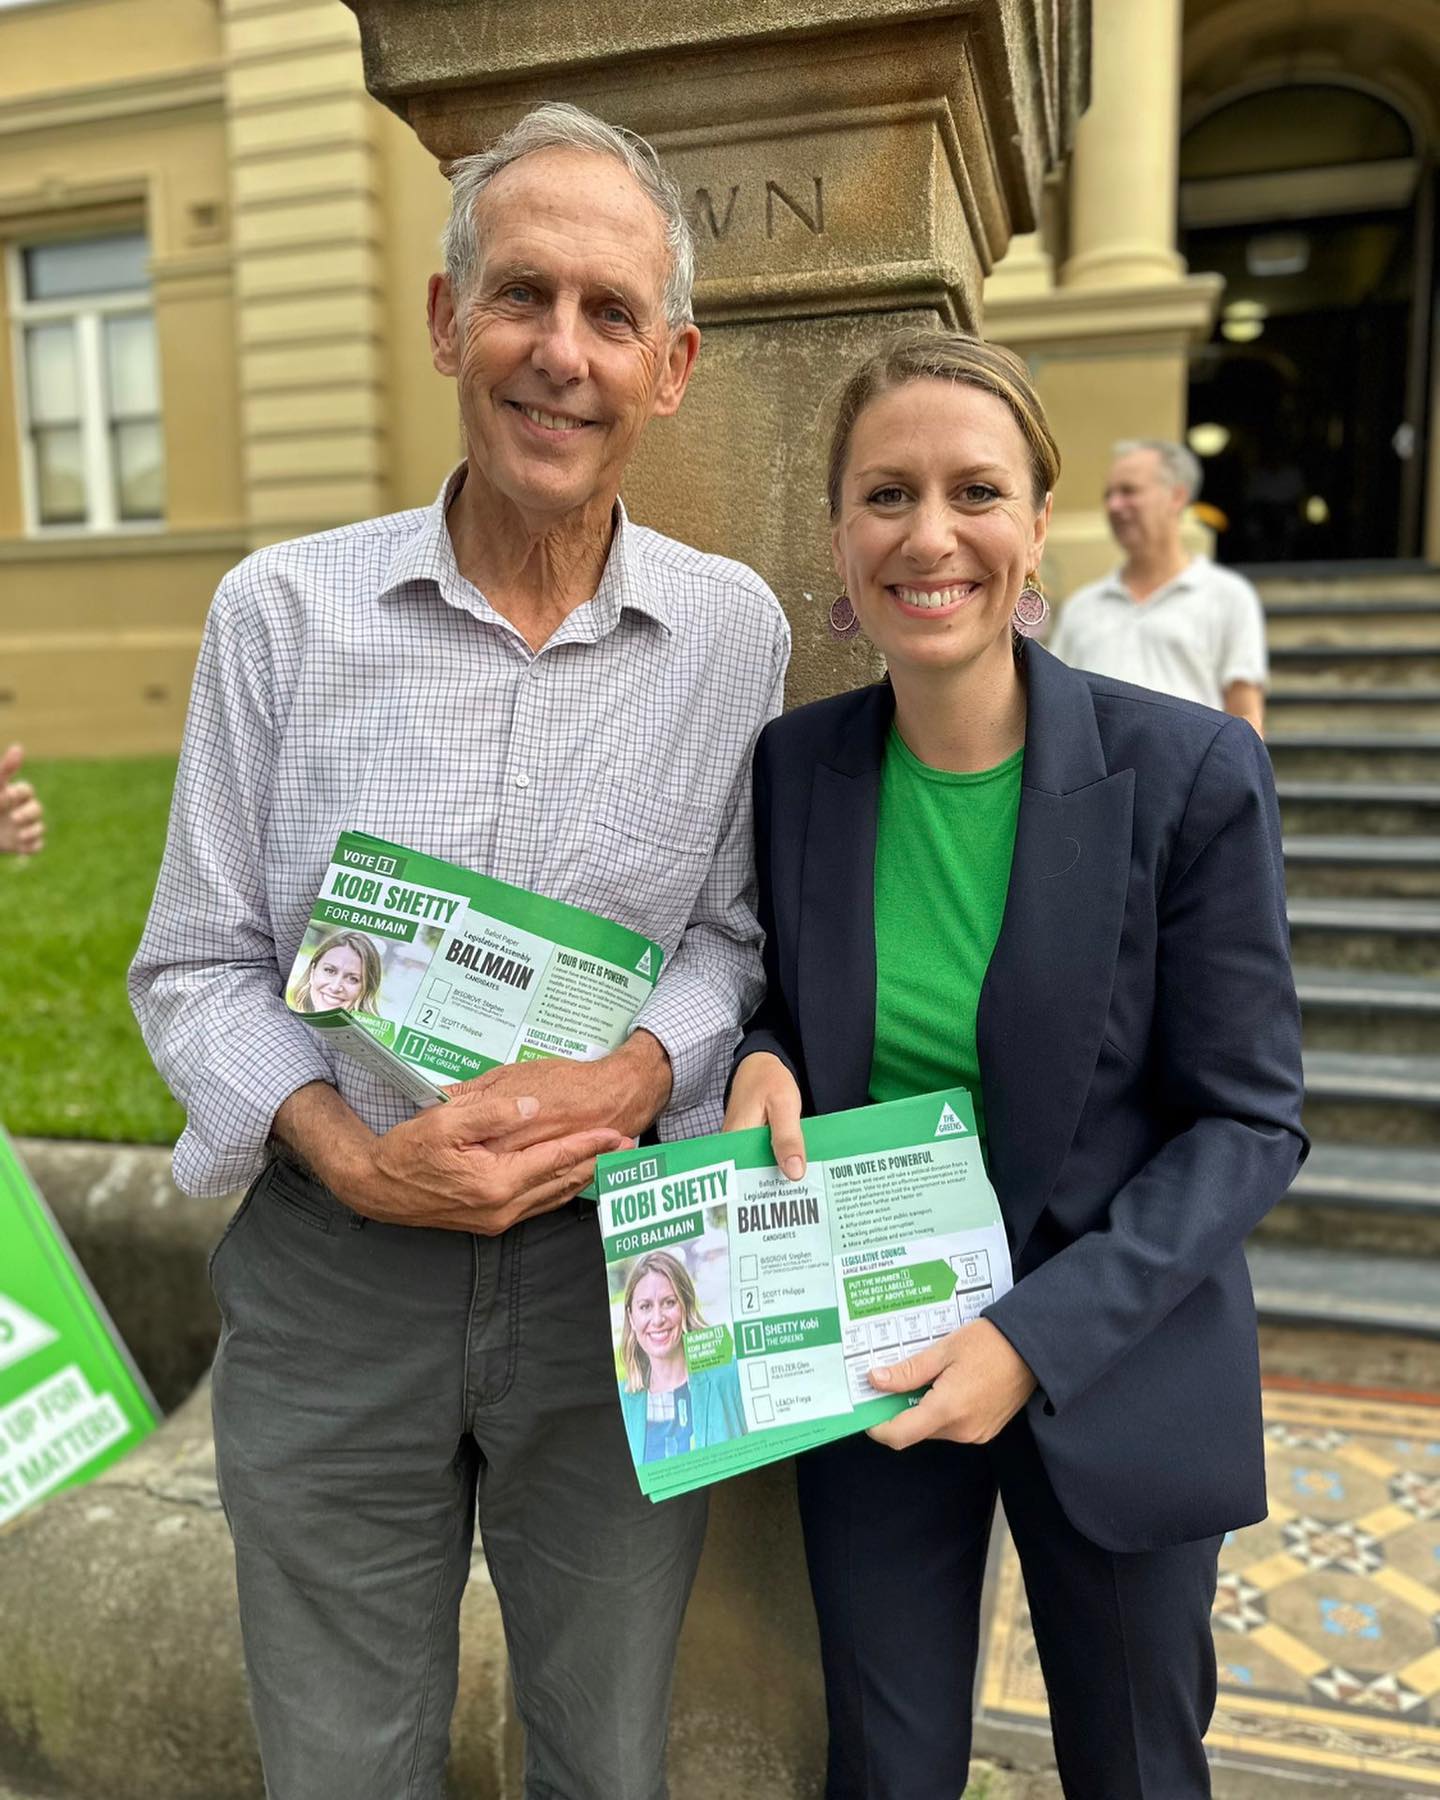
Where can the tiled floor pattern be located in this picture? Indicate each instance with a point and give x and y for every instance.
(1327, 1620)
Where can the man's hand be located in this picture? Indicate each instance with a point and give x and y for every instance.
(622, 1092)
(22, 819)
(980, 1382)
(438, 1169)
(764, 1092)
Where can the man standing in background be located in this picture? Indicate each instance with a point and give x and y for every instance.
(1164, 619)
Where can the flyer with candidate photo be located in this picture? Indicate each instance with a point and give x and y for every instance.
(747, 1309)
(429, 974)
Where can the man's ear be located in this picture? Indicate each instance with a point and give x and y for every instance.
(675, 378)
(444, 326)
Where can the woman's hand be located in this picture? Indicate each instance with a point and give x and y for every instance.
(980, 1381)
(764, 1092)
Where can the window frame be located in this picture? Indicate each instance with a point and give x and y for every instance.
(87, 313)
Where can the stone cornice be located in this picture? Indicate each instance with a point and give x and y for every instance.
(63, 108)
(1176, 313)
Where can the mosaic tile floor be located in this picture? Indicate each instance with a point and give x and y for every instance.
(1327, 1619)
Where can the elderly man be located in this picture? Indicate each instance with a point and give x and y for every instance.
(415, 1319)
(1165, 619)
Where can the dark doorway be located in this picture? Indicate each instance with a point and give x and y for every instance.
(1307, 405)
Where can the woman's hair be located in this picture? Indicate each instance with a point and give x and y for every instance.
(370, 970)
(655, 1262)
(922, 355)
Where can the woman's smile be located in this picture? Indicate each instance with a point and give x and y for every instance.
(929, 601)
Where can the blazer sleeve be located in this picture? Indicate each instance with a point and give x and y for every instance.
(1225, 1067)
(770, 1027)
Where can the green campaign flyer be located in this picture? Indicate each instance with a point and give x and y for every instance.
(71, 1400)
(747, 1309)
(430, 974)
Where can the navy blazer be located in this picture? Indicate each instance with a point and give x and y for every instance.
(1139, 1044)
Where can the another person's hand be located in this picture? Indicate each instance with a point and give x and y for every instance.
(22, 818)
(439, 1169)
(622, 1092)
(980, 1381)
(764, 1092)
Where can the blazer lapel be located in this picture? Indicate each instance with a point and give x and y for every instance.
(835, 976)
(1046, 995)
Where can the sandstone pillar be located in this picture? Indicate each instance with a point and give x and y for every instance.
(1109, 345)
(1127, 148)
(849, 166)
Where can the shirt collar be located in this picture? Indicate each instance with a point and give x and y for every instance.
(1113, 586)
(426, 555)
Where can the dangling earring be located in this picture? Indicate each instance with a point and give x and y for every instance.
(842, 619)
(1032, 609)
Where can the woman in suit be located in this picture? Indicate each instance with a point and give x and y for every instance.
(1065, 894)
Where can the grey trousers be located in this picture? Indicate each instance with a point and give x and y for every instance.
(375, 1389)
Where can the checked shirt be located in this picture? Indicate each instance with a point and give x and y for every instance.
(354, 680)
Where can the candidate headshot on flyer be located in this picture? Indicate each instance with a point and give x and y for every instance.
(342, 973)
(670, 1408)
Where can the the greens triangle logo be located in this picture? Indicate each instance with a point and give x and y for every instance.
(21, 1333)
(951, 1124)
(645, 964)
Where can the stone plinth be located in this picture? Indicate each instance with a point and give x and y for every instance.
(849, 166)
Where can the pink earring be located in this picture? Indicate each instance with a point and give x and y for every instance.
(1032, 609)
(842, 619)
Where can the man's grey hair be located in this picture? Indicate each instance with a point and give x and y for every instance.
(559, 125)
(1180, 467)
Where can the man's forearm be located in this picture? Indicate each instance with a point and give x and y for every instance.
(328, 1138)
(1246, 700)
(645, 1064)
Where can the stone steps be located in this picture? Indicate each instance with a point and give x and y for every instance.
(1354, 735)
(1338, 667)
(1352, 624)
(1378, 808)
(1330, 1288)
(1363, 1198)
(1383, 867)
(1369, 1011)
(1353, 1097)
(1348, 932)
(1316, 708)
(1341, 754)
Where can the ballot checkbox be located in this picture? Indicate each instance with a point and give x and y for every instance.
(438, 989)
(749, 1268)
(758, 1375)
(972, 1269)
(764, 1409)
(749, 1300)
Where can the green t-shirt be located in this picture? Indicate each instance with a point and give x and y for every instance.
(943, 851)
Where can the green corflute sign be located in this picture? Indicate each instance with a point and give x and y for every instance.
(71, 1400)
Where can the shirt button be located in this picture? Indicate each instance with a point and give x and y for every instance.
(522, 780)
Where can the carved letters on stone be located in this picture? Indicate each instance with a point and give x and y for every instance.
(714, 211)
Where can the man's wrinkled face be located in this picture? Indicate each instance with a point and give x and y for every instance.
(1141, 502)
(561, 348)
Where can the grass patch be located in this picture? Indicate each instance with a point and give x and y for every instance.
(75, 1065)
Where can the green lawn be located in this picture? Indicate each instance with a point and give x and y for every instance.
(74, 1062)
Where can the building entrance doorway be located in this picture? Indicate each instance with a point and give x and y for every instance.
(1309, 405)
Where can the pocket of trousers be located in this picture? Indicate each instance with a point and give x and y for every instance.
(302, 1198)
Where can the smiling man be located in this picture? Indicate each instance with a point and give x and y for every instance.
(415, 1328)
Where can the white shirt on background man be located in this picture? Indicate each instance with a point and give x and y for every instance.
(1193, 637)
